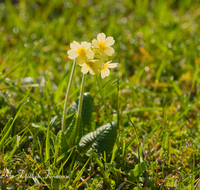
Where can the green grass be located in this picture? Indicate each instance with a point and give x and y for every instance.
(157, 46)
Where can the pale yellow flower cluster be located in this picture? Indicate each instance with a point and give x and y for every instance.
(93, 57)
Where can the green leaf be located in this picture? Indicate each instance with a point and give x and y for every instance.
(47, 151)
(137, 171)
(79, 174)
(7, 101)
(71, 130)
(88, 113)
(87, 119)
(165, 141)
(177, 88)
(14, 145)
(61, 143)
(2, 185)
(140, 188)
(114, 153)
(72, 134)
(9, 128)
(71, 110)
(121, 185)
(102, 139)
(100, 164)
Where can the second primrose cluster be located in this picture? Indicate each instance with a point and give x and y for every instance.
(93, 58)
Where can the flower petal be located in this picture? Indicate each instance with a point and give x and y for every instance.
(102, 74)
(72, 54)
(85, 45)
(94, 65)
(91, 71)
(105, 72)
(109, 51)
(89, 54)
(75, 45)
(101, 37)
(109, 41)
(95, 43)
(112, 65)
(84, 68)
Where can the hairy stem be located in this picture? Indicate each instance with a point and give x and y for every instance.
(79, 107)
(67, 95)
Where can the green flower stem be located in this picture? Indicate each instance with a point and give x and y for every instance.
(80, 103)
(104, 102)
(67, 95)
(81, 97)
(118, 103)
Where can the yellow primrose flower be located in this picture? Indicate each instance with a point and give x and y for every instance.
(103, 44)
(80, 52)
(105, 71)
(92, 66)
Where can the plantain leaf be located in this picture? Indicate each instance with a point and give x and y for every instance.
(137, 171)
(102, 139)
(61, 143)
(88, 114)
(72, 109)
(71, 130)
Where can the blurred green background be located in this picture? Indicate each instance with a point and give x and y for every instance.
(157, 46)
(146, 32)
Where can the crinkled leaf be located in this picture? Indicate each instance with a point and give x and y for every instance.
(72, 134)
(88, 113)
(102, 139)
(72, 109)
(61, 143)
(70, 131)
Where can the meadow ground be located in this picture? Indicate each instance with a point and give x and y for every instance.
(153, 96)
